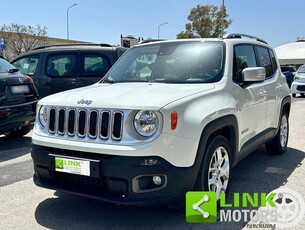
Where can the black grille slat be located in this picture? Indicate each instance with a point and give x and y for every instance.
(71, 122)
(52, 120)
(82, 181)
(82, 118)
(93, 120)
(117, 125)
(61, 121)
(105, 115)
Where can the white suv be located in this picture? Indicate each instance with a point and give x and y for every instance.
(298, 85)
(169, 117)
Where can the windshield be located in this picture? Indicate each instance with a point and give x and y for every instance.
(301, 69)
(5, 66)
(175, 62)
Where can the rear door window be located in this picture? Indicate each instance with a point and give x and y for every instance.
(94, 64)
(264, 60)
(62, 65)
(273, 60)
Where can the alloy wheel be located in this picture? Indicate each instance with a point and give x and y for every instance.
(219, 171)
(284, 131)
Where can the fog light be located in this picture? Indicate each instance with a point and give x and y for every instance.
(149, 183)
(157, 180)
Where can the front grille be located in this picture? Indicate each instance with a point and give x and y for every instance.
(301, 87)
(86, 123)
(99, 184)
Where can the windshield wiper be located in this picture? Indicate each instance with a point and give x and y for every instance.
(107, 80)
(13, 70)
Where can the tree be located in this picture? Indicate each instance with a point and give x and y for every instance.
(21, 38)
(206, 21)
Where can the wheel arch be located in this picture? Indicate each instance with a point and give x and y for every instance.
(226, 126)
(286, 104)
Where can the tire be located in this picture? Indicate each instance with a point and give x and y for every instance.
(218, 151)
(293, 95)
(278, 145)
(19, 132)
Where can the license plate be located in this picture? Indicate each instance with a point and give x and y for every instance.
(18, 89)
(73, 166)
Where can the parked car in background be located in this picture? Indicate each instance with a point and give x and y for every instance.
(289, 72)
(56, 68)
(298, 85)
(18, 99)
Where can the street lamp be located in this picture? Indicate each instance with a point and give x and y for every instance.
(159, 28)
(68, 19)
(223, 18)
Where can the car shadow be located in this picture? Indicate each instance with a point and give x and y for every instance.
(11, 148)
(259, 172)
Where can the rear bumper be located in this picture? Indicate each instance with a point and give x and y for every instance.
(16, 116)
(117, 179)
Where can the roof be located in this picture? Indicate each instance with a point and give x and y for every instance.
(291, 53)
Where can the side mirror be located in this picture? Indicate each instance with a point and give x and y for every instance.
(253, 74)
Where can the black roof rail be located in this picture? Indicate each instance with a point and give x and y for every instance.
(236, 35)
(72, 44)
(150, 40)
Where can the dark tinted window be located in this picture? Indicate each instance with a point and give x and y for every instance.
(94, 64)
(27, 65)
(59, 65)
(264, 60)
(244, 56)
(273, 61)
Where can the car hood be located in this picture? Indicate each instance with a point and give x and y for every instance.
(302, 74)
(125, 95)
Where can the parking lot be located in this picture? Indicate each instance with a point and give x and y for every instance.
(25, 206)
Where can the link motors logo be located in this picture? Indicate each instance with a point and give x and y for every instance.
(201, 207)
(281, 208)
(290, 208)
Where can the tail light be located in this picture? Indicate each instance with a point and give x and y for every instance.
(29, 78)
(3, 113)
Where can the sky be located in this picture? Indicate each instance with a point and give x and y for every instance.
(277, 21)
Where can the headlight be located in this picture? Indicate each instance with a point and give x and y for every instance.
(146, 123)
(43, 116)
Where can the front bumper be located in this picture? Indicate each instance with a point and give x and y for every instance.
(117, 179)
(297, 87)
(16, 116)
